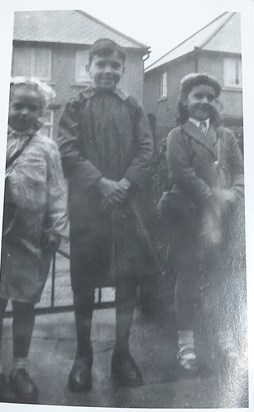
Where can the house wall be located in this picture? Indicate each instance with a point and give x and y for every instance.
(63, 76)
(164, 109)
(231, 98)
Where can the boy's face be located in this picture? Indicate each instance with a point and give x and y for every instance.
(24, 109)
(200, 102)
(106, 71)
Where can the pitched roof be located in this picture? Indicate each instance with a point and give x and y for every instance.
(223, 34)
(67, 27)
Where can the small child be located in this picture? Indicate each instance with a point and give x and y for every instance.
(106, 147)
(206, 167)
(34, 218)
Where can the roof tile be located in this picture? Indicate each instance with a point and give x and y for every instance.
(66, 26)
(223, 34)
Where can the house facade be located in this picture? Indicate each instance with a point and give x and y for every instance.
(53, 46)
(215, 50)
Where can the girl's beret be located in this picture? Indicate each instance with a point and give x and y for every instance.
(195, 79)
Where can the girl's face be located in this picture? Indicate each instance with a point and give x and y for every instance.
(106, 71)
(24, 109)
(200, 102)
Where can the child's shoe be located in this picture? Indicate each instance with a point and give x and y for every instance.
(80, 378)
(22, 385)
(229, 355)
(188, 361)
(5, 393)
(124, 370)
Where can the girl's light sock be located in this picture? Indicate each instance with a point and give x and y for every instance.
(186, 344)
(19, 363)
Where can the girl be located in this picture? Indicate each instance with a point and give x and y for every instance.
(206, 168)
(34, 218)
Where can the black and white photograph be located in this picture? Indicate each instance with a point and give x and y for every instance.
(127, 197)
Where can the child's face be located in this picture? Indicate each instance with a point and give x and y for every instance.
(24, 109)
(200, 102)
(106, 71)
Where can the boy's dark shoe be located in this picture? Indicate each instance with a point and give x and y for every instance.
(124, 370)
(5, 393)
(80, 378)
(22, 385)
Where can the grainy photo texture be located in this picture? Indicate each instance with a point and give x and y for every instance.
(123, 269)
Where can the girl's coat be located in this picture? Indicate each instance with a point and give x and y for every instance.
(198, 164)
(36, 185)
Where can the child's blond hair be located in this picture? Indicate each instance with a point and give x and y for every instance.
(45, 92)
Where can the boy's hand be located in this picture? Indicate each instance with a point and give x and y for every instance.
(112, 191)
(124, 183)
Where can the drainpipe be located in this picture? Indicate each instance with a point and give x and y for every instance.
(195, 58)
(145, 57)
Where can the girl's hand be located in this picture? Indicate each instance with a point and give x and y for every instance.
(224, 198)
(211, 227)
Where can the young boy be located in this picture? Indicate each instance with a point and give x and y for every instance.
(106, 148)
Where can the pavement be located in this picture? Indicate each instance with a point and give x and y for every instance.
(151, 343)
(53, 348)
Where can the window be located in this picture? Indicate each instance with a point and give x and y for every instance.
(32, 61)
(81, 74)
(232, 72)
(164, 85)
(48, 124)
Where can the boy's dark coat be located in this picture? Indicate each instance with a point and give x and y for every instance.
(106, 134)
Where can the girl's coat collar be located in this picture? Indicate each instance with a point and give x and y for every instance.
(26, 133)
(208, 141)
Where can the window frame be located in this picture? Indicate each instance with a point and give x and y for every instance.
(49, 124)
(79, 80)
(237, 72)
(164, 85)
(32, 62)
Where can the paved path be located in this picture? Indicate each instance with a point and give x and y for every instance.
(52, 352)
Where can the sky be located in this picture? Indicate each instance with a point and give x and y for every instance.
(160, 24)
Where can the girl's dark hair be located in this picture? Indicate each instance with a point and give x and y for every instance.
(182, 111)
(105, 47)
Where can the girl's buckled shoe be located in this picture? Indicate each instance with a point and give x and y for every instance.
(188, 361)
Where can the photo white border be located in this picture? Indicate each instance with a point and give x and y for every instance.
(246, 7)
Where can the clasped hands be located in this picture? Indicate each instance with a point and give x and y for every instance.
(113, 192)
